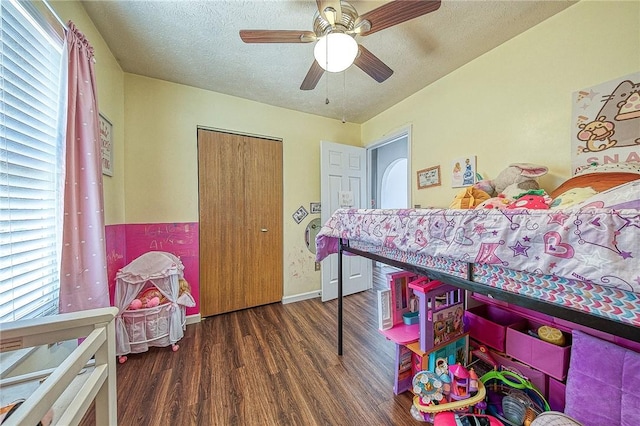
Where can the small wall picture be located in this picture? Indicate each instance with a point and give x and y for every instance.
(315, 208)
(106, 145)
(429, 177)
(463, 171)
(300, 214)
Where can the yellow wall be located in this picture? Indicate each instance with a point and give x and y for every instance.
(513, 104)
(154, 125)
(110, 81)
(161, 158)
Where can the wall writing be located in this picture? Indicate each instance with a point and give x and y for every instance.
(125, 243)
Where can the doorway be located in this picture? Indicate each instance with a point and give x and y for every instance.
(389, 184)
(240, 193)
(389, 172)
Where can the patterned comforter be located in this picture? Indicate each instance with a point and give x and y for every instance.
(600, 246)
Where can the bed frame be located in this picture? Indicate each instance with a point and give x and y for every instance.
(623, 330)
(88, 374)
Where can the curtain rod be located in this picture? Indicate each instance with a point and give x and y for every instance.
(55, 15)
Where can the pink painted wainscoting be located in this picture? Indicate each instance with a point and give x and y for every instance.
(126, 242)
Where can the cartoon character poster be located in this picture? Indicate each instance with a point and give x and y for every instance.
(463, 171)
(605, 125)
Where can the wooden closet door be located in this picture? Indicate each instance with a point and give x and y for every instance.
(240, 205)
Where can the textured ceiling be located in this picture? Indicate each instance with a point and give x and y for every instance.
(196, 43)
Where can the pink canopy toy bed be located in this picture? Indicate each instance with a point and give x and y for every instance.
(154, 274)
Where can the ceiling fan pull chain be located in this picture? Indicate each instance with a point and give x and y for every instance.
(326, 62)
(344, 95)
(326, 79)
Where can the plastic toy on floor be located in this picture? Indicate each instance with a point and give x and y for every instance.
(451, 419)
(513, 398)
(451, 388)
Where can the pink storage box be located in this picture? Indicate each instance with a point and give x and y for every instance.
(555, 397)
(488, 325)
(537, 378)
(546, 357)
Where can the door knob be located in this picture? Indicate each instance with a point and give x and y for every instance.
(264, 230)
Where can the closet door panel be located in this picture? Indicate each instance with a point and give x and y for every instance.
(240, 206)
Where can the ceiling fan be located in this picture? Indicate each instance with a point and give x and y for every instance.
(335, 25)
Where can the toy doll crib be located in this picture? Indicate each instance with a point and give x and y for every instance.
(157, 274)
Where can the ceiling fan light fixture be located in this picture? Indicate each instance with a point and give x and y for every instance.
(335, 52)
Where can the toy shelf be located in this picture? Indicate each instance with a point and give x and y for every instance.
(402, 334)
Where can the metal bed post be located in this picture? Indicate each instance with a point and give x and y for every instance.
(340, 243)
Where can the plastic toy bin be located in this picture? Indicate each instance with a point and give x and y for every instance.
(546, 357)
(488, 325)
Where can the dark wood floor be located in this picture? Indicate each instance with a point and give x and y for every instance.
(272, 365)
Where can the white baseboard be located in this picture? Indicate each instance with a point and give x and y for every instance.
(301, 296)
(193, 319)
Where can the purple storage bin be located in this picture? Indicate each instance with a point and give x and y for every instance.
(556, 394)
(544, 356)
(488, 325)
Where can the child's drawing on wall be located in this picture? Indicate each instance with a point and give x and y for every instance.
(464, 171)
(606, 123)
(457, 172)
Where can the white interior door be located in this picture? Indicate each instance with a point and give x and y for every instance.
(343, 181)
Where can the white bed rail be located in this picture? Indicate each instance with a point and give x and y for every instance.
(97, 328)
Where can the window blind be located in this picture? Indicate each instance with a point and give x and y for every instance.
(30, 163)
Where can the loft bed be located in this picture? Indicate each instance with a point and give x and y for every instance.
(578, 264)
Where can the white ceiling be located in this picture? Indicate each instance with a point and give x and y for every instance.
(196, 43)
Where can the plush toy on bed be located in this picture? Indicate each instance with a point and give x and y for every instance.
(468, 198)
(533, 200)
(514, 180)
(497, 203)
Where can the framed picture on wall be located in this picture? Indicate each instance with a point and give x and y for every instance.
(429, 177)
(463, 171)
(106, 145)
(300, 214)
(315, 208)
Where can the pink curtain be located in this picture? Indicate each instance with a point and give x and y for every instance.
(83, 269)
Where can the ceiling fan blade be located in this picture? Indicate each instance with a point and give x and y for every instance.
(369, 63)
(313, 77)
(396, 12)
(277, 36)
(330, 10)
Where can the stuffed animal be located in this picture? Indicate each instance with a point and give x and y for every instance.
(184, 286)
(468, 198)
(522, 175)
(153, 302)
(144, 302)
(135, 304)
(534, 200)
(499, 202)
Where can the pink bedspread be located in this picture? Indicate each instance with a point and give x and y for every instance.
(600, 246)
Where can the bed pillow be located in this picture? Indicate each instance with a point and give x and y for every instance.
(626, 196)
(603, 384)
(608, 168)
(572, 197)
(597, 181)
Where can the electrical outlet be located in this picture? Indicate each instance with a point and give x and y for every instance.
(317, 266)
